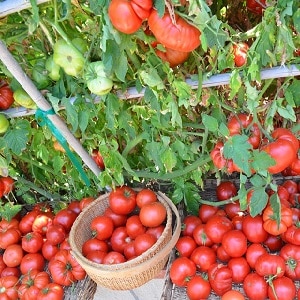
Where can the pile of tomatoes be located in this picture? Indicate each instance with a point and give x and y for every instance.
(35, 260)
(282, 146)
(221, 249)
(130, 225)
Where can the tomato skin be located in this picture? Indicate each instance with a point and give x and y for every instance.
(292, 235)
(253, 229)
(185, 246)
(41, 223)
(13, 255)
(234, 243)
(254, 251)
(156, 231)
(284, 289)
(255, 7)
(122, 200)
(32, 261)
(8, 288)
(97, 157)
(240, 54)
(114, 257)
(233, 295)
(291, 186)
(6, 96)
(8, 235)
(11, 271)
(291, 254)
(270, 224)
(198, 288)
(134, 226)
(270, 264)
(94, 244)
(226, 190)
(153, 214)
(8, 183)
(255, 287)
(51, 291)
(206, 212)
(222, 255)
(84, 202)
(145, 196)
(102, 227)
(200, 236)
(64, 269)
(49, 250)
(216, 227)
(143, 242)
(119, 239)
(32, 242)
(273, 242)
(56, 234)
(232, 210)
(118, 220)
(179, 36)
(220, 278)
(74, 206)
(240, 268)
(182, 270)
(203, 257)
(173, 57)
(189, 223)
(96, 256)
(66, 218)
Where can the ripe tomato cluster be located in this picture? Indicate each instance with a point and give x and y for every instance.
(130, 225)
(223, 248)
(36, 262)
(282, 147)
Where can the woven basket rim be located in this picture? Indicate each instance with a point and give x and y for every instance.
(139, 261)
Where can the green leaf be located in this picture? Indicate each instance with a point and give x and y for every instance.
(152, 79)
(242, 194)
(191, 198)
(258, 202)
(83, 118)
(235, 83)
(261, 160)
(252, 96)
(287, 112)
(169, 159)
(210, 122)
(224, 130)
(276, 206)
(72, 115)
(176, 117)
(296, 20)
(9, 210)
(121, 66)
(160, 6)
(177, 195)
(294, 90)
(257, 181)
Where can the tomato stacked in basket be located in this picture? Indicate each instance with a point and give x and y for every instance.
(130, 225)
(35, 261)
(223, 249)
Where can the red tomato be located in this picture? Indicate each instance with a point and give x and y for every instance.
(282, 288)
(102, 227)
(295, 166)
(189, 223)
(203, 257)
(243, 123)
(25, 225)
(8, 288)
(49, 250)
(273, 242)
(143, 242)
(66, 218)
(254, 251)
(182, 270)
(222, 255)
(253, 229)
(118, 220)
(200, 236)
(145, 196)
(173, 57)
(185, 246)
(234, 243)
(64, 269)
(206, 212)
(56, 234)
(32, 261)
(2, 264)
(7, 182)
(96, 256)
(134, 226)
(32, 242)
(153, 214)
(114, 257)
(119, 239)
(256, 6)
(84, 202)
(198, 288)
(127, 16)
(75, 206)
(51, 291)
(233, 295)
(291, 254)
(232, 209)
(240, 268)
(237, 222)
(11, 271)
(97, 157)
(156, 231)
(129, 251)
(41, 223)
(174, 32)
(13, 255)
(9, 233)
(94, 244)
(270, 264)
(220, 278)
(292, 234)
(240, 54)
(226, 190)
(216, 227)
(6, 96)
(291, 186)
(122, 200)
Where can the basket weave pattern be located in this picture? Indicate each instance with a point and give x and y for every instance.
(132, 273)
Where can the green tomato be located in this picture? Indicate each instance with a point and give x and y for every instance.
(52, 68)
(23, 99)
(40, 75)
(68, 57)
(4, 123)
(97, 80)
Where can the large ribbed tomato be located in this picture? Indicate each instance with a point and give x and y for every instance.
(127, 16)
(174, 32)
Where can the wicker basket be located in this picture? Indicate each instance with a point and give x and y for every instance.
(133, 273)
